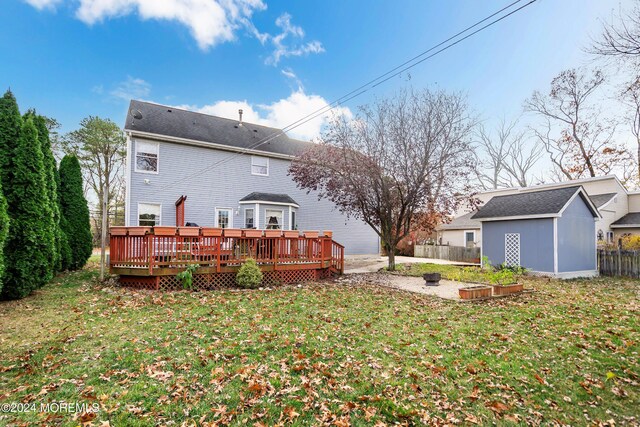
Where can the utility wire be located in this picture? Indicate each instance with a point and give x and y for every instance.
(418, 59)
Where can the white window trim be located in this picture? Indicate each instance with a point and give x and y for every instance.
(260, 174)
(148, 203)
(135, 158)
(217, 224)
(266, 223)
(245, 217)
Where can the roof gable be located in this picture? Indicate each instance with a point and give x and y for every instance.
(162, 120)
(533, 204)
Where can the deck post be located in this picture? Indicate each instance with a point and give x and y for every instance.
(277, 250)
(150, 252)
(218, 253)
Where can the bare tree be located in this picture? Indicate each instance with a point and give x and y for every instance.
(503, 158)
(621, 40)
(631, 96)
(400, 160)
(574, 133)
(491, 155)
(521, 160)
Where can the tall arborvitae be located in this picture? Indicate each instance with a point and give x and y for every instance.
(4, 232)
(65, 249)
(75, 212)
(27, 265)
(10, 122)
(53, 217)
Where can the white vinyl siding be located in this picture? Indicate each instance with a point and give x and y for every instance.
(149, 214)
(259, 166)
(147, 156)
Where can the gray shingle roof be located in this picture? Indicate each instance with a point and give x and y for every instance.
(165, 120)
(630, 219)
(269, 197)
(539, 203)
(600, 199)
(463, 222)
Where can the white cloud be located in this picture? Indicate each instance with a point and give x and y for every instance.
(210, 21)
(43, 4)
(284, 49)
(131, 88)
(278, 114)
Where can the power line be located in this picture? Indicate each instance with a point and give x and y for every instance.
(416, 60)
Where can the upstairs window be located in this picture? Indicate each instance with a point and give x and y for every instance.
(259, 166)
(147, 156)
(149, 214)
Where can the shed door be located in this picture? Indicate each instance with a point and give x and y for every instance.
(512, 249)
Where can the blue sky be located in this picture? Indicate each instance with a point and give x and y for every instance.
(74, 58)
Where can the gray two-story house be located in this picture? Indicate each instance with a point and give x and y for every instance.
(223, 173)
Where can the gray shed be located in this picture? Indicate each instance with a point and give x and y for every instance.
(549, 232)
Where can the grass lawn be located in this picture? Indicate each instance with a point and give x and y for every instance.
(567, 353)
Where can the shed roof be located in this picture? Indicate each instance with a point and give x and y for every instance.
(539, 204)
(175, 122)
(632, 219)
(269, 197)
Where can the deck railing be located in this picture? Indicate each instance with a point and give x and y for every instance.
(155, 248)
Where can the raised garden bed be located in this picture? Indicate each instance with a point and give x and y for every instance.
(502, 290)
(475, 292)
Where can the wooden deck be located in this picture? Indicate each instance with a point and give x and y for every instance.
(150, 257)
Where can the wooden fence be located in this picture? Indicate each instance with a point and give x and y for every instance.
(619, 263)
(450, 253)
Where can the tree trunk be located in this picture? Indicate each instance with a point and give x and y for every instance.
(392, 259)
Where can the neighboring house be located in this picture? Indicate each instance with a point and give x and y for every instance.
(189, 167)
(551, 231)
(619, 211)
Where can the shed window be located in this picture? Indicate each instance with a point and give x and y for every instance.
(147, 156)
(149, 214)
(259, 166)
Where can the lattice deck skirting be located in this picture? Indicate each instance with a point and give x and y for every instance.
(215, 281)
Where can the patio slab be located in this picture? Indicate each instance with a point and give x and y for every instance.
(447, 289)
(373, 263)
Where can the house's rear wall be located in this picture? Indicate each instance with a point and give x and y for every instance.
(225, 184)
(536, 242)
(456, 237)
(576, 238)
